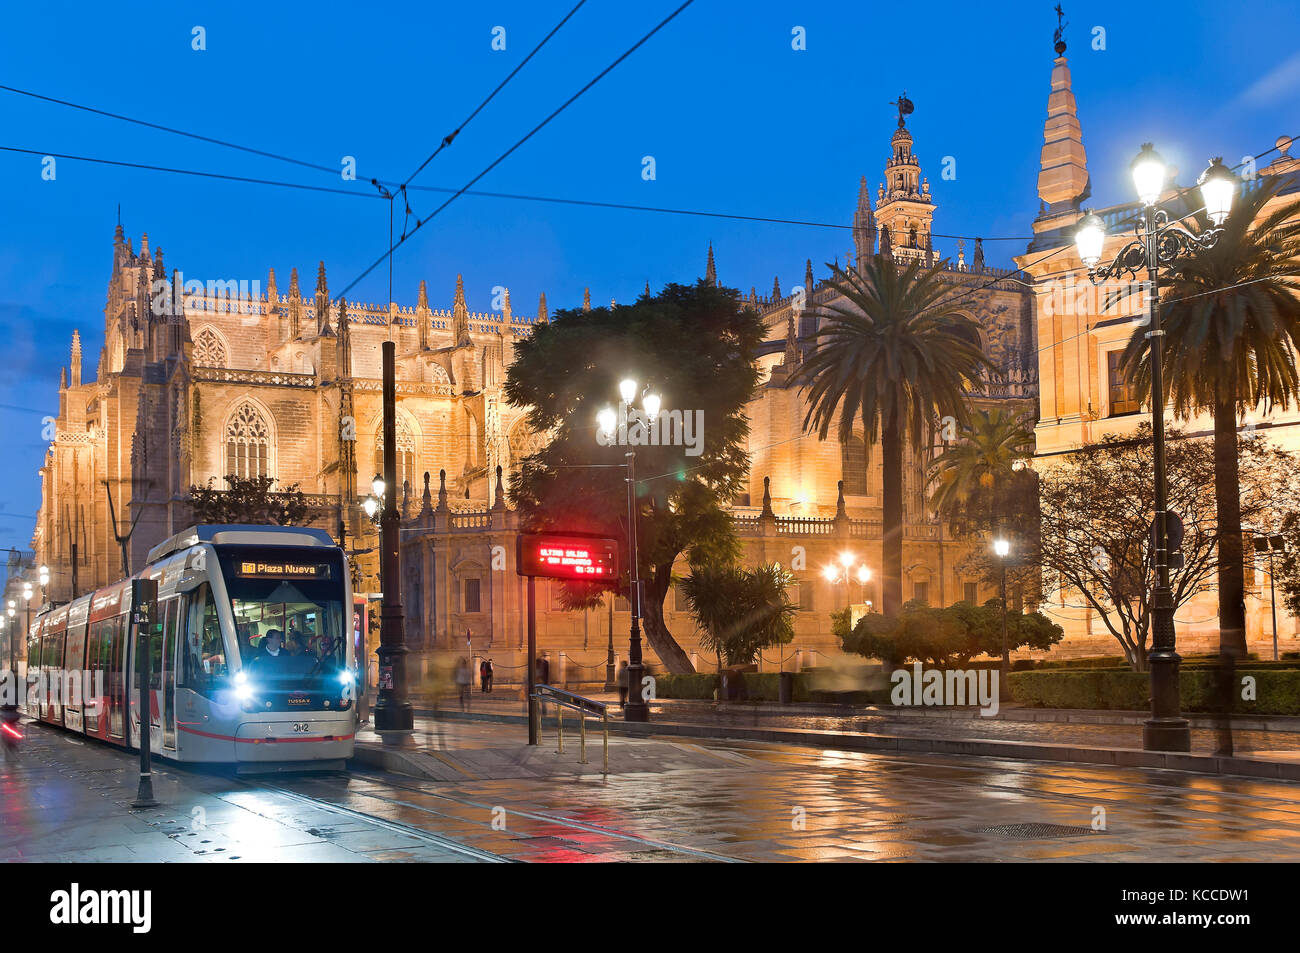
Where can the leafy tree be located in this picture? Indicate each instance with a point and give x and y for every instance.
(696, 345)
(946, 637)
(249, 500)
(1232, 329)
(740, 611)
(1098, 504)
(893, 352)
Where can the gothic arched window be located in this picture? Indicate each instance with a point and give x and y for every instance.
(405, 455)
(248, 442)
(209, 349)
(853, 466)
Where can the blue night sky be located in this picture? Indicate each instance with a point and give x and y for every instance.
(736, 121)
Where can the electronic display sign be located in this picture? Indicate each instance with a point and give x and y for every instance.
(562, 556)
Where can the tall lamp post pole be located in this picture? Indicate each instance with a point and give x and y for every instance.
(1271, 545)
(1157, 242)
(1002, 548)
(392, 707)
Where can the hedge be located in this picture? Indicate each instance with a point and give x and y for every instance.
(759, 686)
(1277, 690)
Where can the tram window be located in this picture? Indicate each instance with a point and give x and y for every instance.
(204, 656)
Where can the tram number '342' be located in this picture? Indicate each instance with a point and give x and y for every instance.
(301, 727)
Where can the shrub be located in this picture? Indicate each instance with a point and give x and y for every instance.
(1277, 690)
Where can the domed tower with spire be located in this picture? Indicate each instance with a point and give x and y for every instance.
(905, 209)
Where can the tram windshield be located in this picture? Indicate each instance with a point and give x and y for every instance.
(289, 626)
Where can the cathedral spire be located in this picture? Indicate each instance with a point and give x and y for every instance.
(542, 315)
(710, 270)
(76, 358)
(460, 313)
(647, 288)
(586, 299)
(1063, 181)
(423, 315)
(776, 289)
(295, 305)
(864, 225)
(322, 303)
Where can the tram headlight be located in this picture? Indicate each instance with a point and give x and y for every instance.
(346, 677)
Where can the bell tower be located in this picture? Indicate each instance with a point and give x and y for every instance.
(903, 204)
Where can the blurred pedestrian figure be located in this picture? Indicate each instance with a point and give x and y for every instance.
(463, 681)
(490, 674)
(622, 684)
(483, 676)
(543, 670)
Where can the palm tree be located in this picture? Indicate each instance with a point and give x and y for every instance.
(740, 611)
(964, 475)
(892, 351)
(1232, 330)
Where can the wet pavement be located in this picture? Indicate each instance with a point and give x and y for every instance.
(664, 800)
(1282, 743)
(68, 800)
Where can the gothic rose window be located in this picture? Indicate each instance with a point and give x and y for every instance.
(209, 350)
(248, 443)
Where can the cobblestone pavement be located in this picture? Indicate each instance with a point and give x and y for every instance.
(664, 800)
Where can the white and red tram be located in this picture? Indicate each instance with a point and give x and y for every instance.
(219, 691)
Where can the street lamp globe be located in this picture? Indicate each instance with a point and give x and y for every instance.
(1218, 185)
(1001, 547)
(1089, 238)
(1148, 171)
(27, 592)
(45, 575)
(370, 505)
(830, 573)
(377, 486)
(627, 389)
(650, 403)
(606, 420)
(864, 575)
(846, 559)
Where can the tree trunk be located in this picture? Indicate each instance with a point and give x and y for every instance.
(891, 594)
(652, 623)
(1227, 504)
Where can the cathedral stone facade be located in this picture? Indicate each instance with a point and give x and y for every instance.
(195, 384)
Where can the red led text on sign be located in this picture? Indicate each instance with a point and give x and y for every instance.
(568, 557)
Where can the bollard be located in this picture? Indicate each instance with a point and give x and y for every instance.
(559, 720)
(604, 717)
(582, 734)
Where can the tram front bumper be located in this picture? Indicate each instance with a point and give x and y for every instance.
(307, 737)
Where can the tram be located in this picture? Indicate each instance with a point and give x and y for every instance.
(252, 661)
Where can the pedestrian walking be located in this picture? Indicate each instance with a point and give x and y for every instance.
(483, 676)
(491, 673)
(622, 685)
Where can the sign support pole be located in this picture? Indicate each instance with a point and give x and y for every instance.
(531, 666)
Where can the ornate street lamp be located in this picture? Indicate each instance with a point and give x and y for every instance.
(636, 708)
(1159, 242)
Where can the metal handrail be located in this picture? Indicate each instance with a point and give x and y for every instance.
(579, 703)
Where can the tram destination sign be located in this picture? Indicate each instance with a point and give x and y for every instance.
(280, 569)
(566, 556)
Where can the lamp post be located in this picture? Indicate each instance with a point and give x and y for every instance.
(1002, 549)
(1157, 242)
(607, 420)
(835, 574)
(1271, 545)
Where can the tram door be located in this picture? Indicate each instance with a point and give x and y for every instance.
(117, 677)
(171, 622)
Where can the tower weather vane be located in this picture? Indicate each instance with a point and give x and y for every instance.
(905, 107)
(1061, 24)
